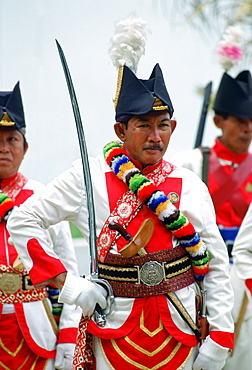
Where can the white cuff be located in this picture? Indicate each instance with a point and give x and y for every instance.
(71, 289)
(213, 350)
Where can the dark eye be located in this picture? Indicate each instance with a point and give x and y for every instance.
(143, 125)
(164, 126)
(13, 139)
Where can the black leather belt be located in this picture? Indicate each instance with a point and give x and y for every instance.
(151, 274)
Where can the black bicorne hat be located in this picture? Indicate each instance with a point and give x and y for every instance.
(234, 95)
(137, 97)
(11, 109)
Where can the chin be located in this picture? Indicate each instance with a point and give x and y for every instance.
(151, 162)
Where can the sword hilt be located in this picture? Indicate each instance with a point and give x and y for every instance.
(123, 232)
(100, 314)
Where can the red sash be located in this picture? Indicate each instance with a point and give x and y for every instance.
(229, 185)
(126, 208)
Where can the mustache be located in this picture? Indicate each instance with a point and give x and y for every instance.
(155, 146)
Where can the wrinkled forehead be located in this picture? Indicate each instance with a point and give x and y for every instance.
(10, 130)
(155, 115)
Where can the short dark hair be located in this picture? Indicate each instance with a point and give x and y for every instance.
(222, 114)
(25, 143)
(125, 124)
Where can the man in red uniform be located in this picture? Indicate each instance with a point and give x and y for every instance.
(29, 334)
(231, 192)
(152, 320)
(228, 166)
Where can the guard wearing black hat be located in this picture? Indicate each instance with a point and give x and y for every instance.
(11, 109)
(234, 95)
(136, 96)
(227, 170)
(233, 116)
(26, 314)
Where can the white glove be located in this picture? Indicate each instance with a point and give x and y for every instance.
(83, 293)
(211, 356)
(64, 356)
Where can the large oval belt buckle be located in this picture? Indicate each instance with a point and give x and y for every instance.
(10, 282)
(152, 273)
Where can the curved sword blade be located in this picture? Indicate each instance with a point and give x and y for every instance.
(85, 164)
(100, 315)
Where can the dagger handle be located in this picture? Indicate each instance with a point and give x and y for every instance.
(115, 226)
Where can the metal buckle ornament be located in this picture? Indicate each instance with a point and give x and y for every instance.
(10, 282)
(152, 273)
(27, 283)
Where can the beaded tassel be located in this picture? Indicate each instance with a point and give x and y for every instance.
(6, 205)
(174, 220)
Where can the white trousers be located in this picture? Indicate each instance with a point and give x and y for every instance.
(242, 356)
(50, 365)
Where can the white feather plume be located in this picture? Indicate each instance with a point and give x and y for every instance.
(128, 43)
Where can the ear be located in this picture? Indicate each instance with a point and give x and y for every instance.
(173, 124)
(26, 148)
(218, 120)
(120, 129)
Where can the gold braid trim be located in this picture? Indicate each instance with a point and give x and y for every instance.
(107, 277)
(138, 365)
(169, 276)
(6, 120)
(158, 105)
(6, 123)
(182, 310)
(186, 360)
(118, 86)
(162, 107)
(13, 354)
(144, 351)
(113, 268)
(147, 331)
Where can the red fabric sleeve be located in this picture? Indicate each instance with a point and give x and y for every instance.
(222, 338)
(68, 335)
(248, 283)
(44, 266)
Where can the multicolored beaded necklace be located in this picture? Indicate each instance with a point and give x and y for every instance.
(116, 157)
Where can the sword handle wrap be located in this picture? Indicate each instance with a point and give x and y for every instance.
(114, 226)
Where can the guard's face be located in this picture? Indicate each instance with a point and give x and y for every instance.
(11, 151)
(147, 137)
(236, 132)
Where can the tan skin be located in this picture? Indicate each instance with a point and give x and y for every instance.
(236, 132)
(12, 151)
(146, 139)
